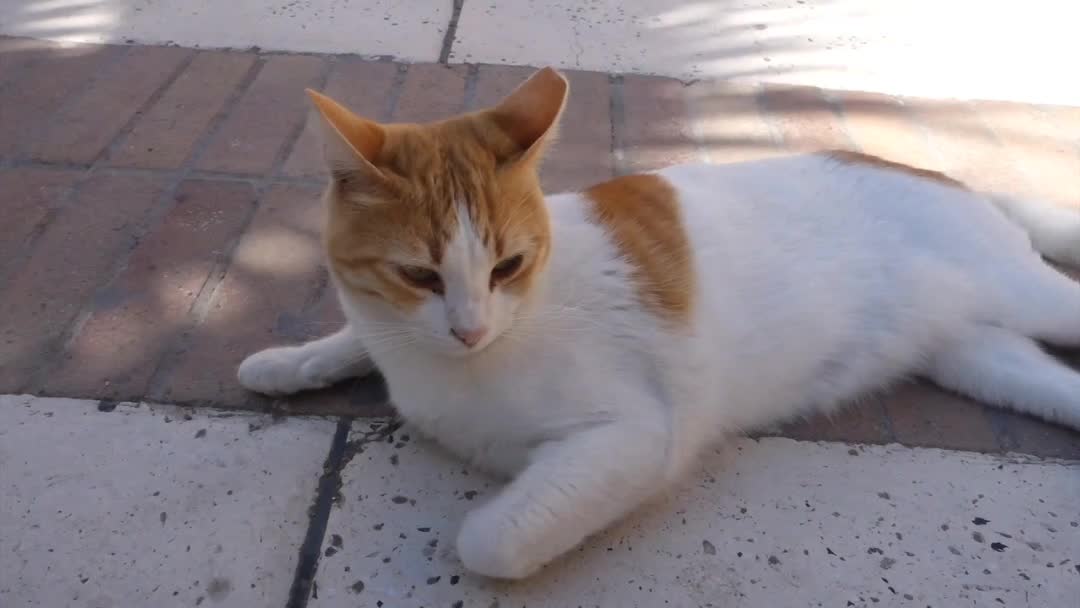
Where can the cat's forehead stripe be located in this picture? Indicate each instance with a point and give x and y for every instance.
(643, 217)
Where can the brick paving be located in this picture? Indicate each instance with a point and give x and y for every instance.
(161, 208)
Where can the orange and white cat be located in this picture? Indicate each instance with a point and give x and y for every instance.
(589, 345)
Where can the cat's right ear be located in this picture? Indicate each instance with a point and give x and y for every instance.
(350, 143)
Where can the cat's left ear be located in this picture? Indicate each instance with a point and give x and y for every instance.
(530, 114)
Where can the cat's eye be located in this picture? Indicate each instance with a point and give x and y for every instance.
(506, 269)
(423, 278)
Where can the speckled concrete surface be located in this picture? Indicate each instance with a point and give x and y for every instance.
(411, 30)
(961, 48)
(762, 523)
(911, 47)
(142, 506)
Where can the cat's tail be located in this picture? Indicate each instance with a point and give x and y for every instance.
(1054, 230)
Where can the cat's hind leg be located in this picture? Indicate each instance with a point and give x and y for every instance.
(1003, 368)
(285, 370)
(1037, 301)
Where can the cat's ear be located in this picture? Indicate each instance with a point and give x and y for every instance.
(529, 115)
(350, 143)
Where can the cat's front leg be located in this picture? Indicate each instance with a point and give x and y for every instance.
(284, 370)
(573, 488)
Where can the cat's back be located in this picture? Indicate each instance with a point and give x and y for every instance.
(715, 249)
(824, 202)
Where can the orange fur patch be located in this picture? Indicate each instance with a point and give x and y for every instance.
(853, 158)
(396, 190)
(642, 214)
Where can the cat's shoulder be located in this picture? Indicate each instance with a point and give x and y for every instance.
(640, 217)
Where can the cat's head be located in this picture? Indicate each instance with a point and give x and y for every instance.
(439, 230)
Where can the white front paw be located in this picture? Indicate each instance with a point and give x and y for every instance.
(487, 548)
(284, 370)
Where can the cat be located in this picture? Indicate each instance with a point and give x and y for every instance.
(590, 345)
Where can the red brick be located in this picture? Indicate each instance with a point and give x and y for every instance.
(18, 54)
(357, 397)
(923, 415)
(1027, 435)
(265, 117)
(72, 257)
(31, 101)
(656, 129)
(966, 147)
(164, 137)
(81, 130)
(494, 82)
(581, 155)
(274, 274)
(431, 92)
(858, 423)
(803, 118)
(363, 87)
(880, 125)
(729, 123)
(142, 312)
(322, 318)
(1049, 161)
(29, 196)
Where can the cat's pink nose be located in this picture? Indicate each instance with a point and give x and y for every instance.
(470, 337)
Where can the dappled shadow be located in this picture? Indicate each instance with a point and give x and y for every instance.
(917, 47)
(64, 20)
(1010, 148)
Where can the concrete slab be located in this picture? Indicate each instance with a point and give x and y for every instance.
(967, 49)
(152, 506)
(412, 31)
(773, 522)
(912, 47)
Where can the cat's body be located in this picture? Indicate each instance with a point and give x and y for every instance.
(788, 286)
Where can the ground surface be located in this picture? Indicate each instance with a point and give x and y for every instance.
(172, 507)
(160, 220)
(162, 207)
(958, 49)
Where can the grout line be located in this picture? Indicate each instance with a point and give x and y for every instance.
(694, 117)
(396, 89)
(29, 163)
(122, 134)
(836, 108)
(287, 147)
(472, 76)
(113, 56)
(617, 115)
(201, 307)
(916, 121)
(51, 354)
(30, 243)
(1027, 174)
(998, 420)
(451, 32)
(890, 431)
(757, 91)
(177, 343)
(307, 562)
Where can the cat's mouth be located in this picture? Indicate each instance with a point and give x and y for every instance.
(459, 349)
